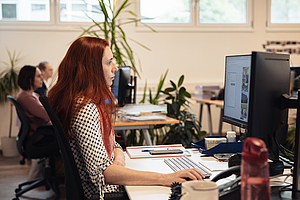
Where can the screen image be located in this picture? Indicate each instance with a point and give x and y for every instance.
(237, 77)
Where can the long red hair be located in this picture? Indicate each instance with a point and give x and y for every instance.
(80, 75)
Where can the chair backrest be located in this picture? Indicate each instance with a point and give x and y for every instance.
(25, 126)
(28, 147)
(74, 190)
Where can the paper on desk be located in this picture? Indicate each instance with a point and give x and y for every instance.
(138, 109)
(146, 118)
(214, 165)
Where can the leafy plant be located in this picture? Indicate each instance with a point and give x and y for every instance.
(131, 137)
(112, 30)
(8, 80)
(188, 129)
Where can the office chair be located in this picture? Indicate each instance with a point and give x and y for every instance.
(28, 149)
(74, 190)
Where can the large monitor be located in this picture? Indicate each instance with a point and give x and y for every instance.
(123, 86)
(254, 85)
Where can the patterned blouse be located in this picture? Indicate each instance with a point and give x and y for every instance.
(90, 154)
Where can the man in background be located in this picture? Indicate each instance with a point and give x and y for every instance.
(47, 72)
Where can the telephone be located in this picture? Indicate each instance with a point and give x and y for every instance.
(230, 190)
(227, 191)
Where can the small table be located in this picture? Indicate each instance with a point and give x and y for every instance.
(129, 125)
(208, 102)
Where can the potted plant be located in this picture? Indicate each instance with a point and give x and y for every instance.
(9, 86)
(188, 129)
(111, 29)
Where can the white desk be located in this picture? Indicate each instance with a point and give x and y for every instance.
(157, 165)
(163, 193)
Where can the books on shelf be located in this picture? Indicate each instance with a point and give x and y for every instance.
(138, 152)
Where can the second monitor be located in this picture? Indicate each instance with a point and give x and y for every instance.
(123, 86)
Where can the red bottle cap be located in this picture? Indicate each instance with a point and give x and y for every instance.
(254, 151)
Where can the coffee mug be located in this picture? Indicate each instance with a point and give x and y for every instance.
(204, 190)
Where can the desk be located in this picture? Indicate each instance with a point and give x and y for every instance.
(163, 193)
(208, 102)
(157, 165)
(129, 125)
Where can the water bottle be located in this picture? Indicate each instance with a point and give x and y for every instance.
(255, 183)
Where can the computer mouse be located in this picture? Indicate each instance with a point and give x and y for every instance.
(235, 160)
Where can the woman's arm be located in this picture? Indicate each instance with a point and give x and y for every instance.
(119, 158)
(118, 175)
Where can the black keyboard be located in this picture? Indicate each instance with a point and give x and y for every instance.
(179, 163)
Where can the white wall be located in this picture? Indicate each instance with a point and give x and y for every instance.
(197, 55)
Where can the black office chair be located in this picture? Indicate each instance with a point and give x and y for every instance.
(74, 190)
(31, 150)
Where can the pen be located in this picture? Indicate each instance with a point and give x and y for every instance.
(147, 150)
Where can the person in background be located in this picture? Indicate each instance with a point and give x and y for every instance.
(47, 72)
(29, 79)
(79, 100)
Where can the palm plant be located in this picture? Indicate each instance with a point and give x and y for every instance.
(8, 80)
(111, 29)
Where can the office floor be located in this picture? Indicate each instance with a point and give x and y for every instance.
(12, 174)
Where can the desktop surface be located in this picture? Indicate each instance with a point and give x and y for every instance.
(158, 165)
(163, 193)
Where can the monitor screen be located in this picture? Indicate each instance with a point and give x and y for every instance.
(237, 82)
(254, 85)
(120, 87)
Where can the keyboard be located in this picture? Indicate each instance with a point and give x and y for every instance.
(179, 163)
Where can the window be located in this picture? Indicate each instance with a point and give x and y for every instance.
(168, 11)
(225, 11)
(78, 10)
(283, 15)
(25, 10)
(196, 13)
(48, 12)
(285, 11)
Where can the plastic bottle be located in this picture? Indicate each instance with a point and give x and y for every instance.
(255, 183)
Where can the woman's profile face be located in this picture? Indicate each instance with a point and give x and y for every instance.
(38, 79)
(109, 67)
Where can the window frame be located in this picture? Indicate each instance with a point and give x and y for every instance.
(195, 25)
(279, 27)
(54, 24)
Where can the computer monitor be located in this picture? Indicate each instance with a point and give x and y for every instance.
(122, 86)
(254, 85)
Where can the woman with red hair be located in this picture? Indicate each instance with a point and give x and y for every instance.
(79, 98)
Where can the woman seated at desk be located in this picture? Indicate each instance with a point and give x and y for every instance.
(78, 98)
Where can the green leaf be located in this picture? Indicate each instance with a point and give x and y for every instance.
(173, 84)
(180, 81)
(144, 94)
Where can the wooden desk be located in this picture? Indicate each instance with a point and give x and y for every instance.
(208, 102)
(129, 125)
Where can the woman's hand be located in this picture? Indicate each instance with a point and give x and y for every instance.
(182, 175)
(119, 158)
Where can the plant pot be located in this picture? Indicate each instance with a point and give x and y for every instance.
(9, 147)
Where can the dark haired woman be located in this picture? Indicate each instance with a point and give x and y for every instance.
(29, 79)
(79, 99)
